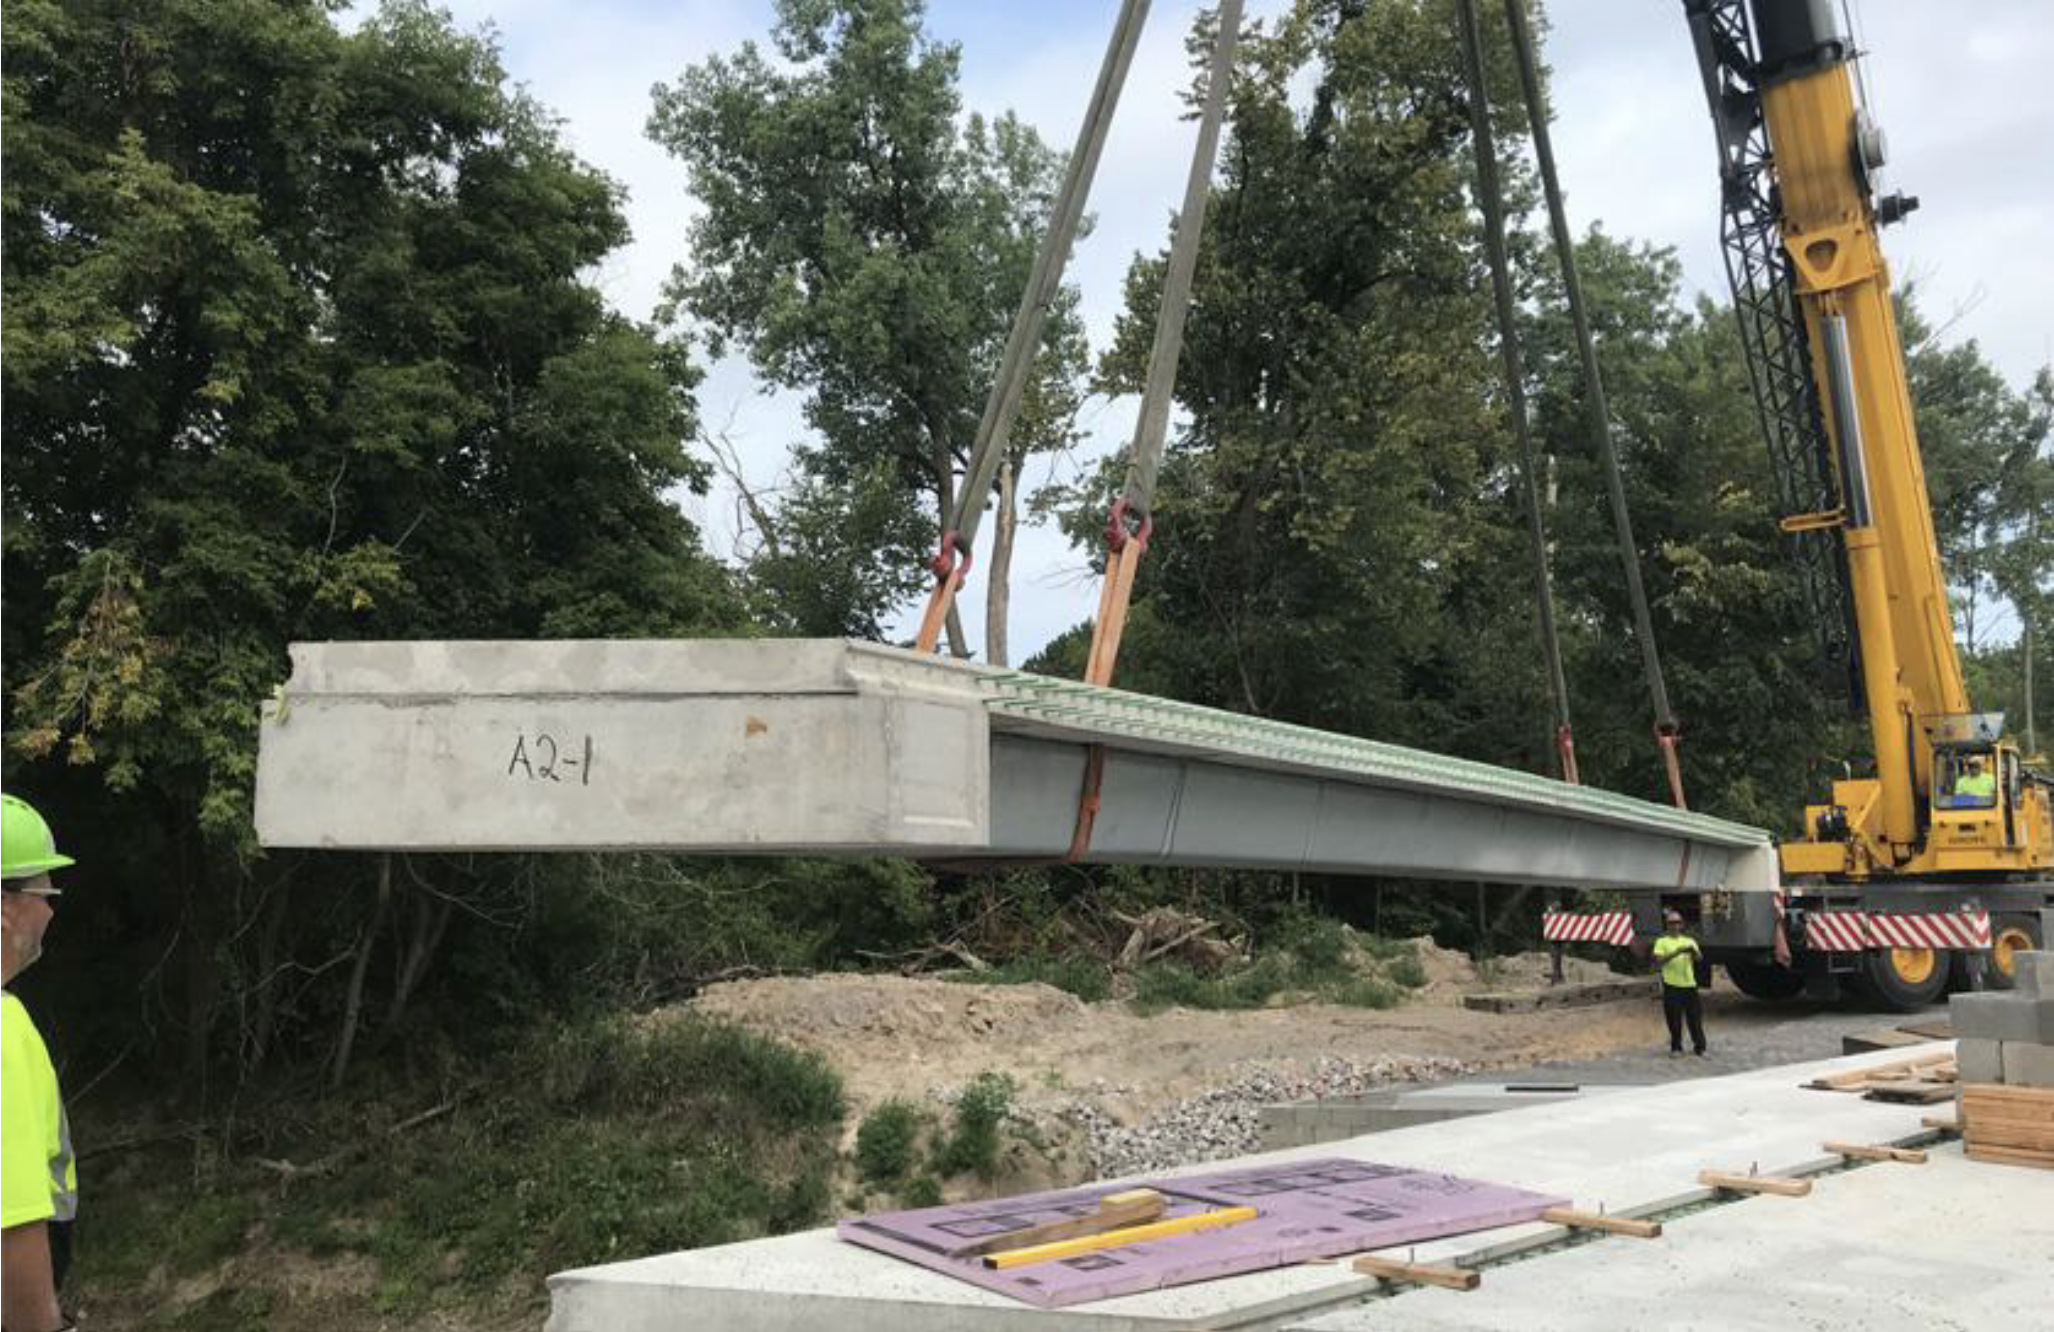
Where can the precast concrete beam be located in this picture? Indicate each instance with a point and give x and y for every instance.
(827, 747)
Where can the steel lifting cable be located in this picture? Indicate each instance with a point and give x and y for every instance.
(1023, 343)
(1668, 734)
(1132, 521)
(1492, 205)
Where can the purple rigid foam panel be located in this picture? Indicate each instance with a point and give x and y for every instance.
(1308, 1209)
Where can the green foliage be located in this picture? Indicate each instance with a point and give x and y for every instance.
(867, 245)
(581, 1144)
(299, 344)
(974, 1140)
(1406, 970)
(922, 1191)
(1087, 978)
(887, 1142)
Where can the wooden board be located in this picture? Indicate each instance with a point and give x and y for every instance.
(1131, 1208)
(1616, 1225)
(1863, 1151)
(2005, 1156)
(1116, 1239)
(1776, 1184)
(1390, 1269)
(1854, 1079)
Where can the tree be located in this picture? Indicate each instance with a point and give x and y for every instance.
(865, 249)
(1328, 528)
(297, 348)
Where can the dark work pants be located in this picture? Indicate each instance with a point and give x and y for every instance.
(1678, 1003)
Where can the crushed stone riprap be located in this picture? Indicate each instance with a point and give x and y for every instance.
(1225, 1121)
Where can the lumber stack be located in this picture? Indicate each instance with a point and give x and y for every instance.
(2008, 1125)
(2006, 1061)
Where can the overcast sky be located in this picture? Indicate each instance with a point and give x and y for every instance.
(1964, 91)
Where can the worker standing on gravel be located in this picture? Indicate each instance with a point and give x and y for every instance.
(38, 1186)
(1677, 954)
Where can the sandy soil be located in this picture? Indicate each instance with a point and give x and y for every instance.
(916, 1038)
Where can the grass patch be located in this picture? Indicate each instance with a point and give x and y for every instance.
(1085, 977)
(1310, 956)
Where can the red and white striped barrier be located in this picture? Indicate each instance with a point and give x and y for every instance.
(1858, 931)
(1954, 929)
(1612, 927)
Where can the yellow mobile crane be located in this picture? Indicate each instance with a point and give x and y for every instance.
(1894, 878)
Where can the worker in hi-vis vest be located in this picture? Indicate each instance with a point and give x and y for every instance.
(1977, 787)
(1677, 954)
(38, 1185)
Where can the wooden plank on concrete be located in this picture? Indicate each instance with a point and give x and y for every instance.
(1855, 1078)
(1616, 1225)
(1864, 1151)
(1776, 1184)
(1426, 1274)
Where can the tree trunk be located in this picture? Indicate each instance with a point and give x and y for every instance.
(998, 591)
(353, 1006)
(430, 919)
(265, 1023)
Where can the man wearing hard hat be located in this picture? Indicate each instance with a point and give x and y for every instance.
(38, 1185)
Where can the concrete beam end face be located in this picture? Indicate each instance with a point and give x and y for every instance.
(1999, 1016)
(713, 747)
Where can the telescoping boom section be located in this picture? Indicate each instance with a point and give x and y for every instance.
(827, 747)
(1802, 164)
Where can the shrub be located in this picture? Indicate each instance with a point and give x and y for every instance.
(973, 1142)
(1407, 970)
(886, 1142)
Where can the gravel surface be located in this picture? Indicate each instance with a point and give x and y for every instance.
(1223, 1122)
(1743, 1034)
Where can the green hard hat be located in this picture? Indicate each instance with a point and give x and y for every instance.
(26, 847)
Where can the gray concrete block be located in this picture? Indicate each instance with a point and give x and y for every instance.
(2028, 1065)
(1979, 1061)
(1999, 1016)
(2035, 972)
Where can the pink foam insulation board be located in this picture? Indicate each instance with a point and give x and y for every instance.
(1307, 1209)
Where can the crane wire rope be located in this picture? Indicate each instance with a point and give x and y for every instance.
(951, 563)
(1491, 203)
(1668, 733)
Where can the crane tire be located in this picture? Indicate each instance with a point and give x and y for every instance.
(2010, 934)
(1766, 981)
(1905, 980)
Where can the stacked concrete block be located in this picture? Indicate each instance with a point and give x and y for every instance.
(2008, 1036)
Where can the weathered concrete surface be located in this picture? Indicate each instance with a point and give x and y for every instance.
(1627, 1151)
(1301, 1123)
(1890, 1248)
(832, 747)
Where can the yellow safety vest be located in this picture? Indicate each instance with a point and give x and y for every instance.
(1678, 956)
(38, 1179)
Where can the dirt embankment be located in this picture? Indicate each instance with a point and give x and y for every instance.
(1108, 1088)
